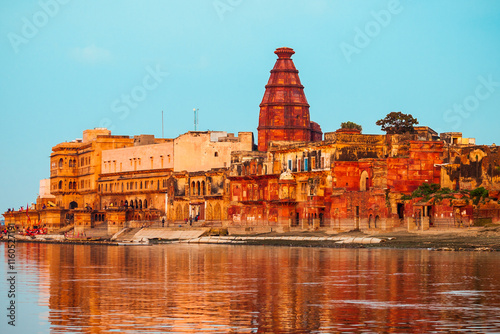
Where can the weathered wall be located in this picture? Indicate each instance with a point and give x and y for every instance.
(138, 158)
(196, 151)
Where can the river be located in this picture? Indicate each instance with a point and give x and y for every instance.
(248, 289)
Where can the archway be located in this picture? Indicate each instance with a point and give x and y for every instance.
(73, 205)
(217, 215)
(364, 181)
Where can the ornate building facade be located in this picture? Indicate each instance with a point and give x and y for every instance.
(294, 179)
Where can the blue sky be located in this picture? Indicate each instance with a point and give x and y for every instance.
(71, 65)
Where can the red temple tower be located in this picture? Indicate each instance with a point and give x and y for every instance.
(284, 111)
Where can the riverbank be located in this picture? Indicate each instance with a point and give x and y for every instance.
(471, 239)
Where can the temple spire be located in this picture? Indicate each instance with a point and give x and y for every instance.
(284, 111)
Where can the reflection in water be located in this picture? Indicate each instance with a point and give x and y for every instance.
(217, 288)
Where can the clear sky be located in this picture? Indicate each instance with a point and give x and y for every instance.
(71, 65)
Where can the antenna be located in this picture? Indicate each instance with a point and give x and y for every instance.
(195, 110)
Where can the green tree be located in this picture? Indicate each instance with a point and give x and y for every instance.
(397, 123)
(351, 125)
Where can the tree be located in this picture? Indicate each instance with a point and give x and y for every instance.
(350, 125)
(397, 123)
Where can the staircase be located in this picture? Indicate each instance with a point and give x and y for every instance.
(63, 230)
(100, 231)
(128, 235)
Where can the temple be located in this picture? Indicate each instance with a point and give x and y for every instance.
(284, 111)
(296, 178)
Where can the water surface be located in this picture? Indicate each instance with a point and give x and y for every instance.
(250, 289)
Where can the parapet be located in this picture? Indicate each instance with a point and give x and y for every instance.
(89, 135)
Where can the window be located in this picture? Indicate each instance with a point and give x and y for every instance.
(313, 162)
(306, 164)
(299, 165)
(290, 165)
(216, 154)
(60, 163)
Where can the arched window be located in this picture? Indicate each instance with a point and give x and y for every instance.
(217, 213)
(126, 203)
(136, 205)
(216, 154)
(203, 188)
(192, 188)
(140, 204)
(364, 181)
(145, 204)
(60, 184)
(198, 188)
(60, 163)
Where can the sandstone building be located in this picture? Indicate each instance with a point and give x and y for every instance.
(293, 179)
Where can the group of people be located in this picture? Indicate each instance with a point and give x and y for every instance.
(191, 219)
(31, 231)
